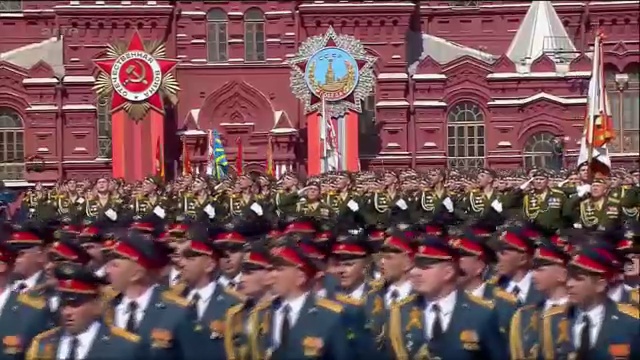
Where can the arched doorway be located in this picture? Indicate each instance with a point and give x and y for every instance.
(538, 151)
(11, 145)
(465, 136)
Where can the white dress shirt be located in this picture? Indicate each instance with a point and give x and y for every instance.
(85, 341)
(548, 304)
(596, 317)
(101, 272)
(225, 281)
(524, 285)
(29, 283)
(295, 306)
(615, 293)
(122, 310)
(357, 293)
(4, 296)
(174, 276)
(205, 297)
(479, 291)
(403, 290)
(446, 305)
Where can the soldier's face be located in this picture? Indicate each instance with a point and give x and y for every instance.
(549, 277)
(121, 272)
(632, 268)
(429, 280)
(198, 185)
(540, 182)
(598, 189)
(230, 264)
(95, 251)
(389, 179)
(71, 185)
(351, 272)
(148, 187)
(102, 185)
(76, 316)
(583, 173)
(509, 261)
(195, 268)
(472, 268)
(30, 261)
(574, 179)
(394, 265)
(254, 282)
(287, 279)
(313, 193)
(583, 288)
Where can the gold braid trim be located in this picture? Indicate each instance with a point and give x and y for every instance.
(515, 342)
(395, 333)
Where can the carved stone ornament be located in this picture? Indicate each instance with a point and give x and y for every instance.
(335, 68)
(137, 76)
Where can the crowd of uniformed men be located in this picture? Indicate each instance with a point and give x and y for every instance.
(347, 266)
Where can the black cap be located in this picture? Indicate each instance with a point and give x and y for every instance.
(7, 253)
(198, 242)
(140, 248)
(257, 256)
(351, 245)
(68, 249)
(77, 283)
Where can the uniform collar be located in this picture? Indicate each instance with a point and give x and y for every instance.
(29, 282)
(616, 292)
(142, 301)
(205, 293)
(479, 291)
(524, 285)
(446, 303)
(358, 292)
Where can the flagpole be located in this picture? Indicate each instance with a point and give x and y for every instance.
(323, 136)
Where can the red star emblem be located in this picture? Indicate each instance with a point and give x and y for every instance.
(136, 75)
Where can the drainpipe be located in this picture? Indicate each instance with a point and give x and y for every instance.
(60, 92)
(583, 27)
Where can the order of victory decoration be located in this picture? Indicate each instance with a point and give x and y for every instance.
(333, 71)
(137, 77)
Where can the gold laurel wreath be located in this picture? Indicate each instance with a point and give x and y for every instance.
(168, 87)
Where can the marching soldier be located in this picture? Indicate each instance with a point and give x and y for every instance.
(70, 201)
(196, 204)
(31, 258)
(430, 201)
(440, 321)
(163, 320)
(100, 205)
(591, 326)
(210, 300)
(591, 208)
(91, 238)
(379, 204)
(342, 199)
(149, 200)
(298, 324)
(231, 244)
(550, 277)
(397, 253)
(287, 196)
(311, 205)
(83, 334)
(478, 201)
(236, 203)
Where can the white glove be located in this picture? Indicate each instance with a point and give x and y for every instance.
(402, 204)
(561, 183)
(526, 184)
(160, 212)
(210, 211)
(577, 226)
(256, 208)
(303, 190)
(112, 215)
(448, 204)
(497, 206)
(353, 206)
(584, 189)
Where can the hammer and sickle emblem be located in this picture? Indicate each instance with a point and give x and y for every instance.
(136, 73)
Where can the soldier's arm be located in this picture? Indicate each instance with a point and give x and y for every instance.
(513, 198)
(493, 343)
(631, 197)
(570, 207)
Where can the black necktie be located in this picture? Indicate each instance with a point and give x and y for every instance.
(20, 287)
(394, 296)
(585, 339)
(195, 300)
(73, 349)
(132, 323)
(286, 326)
(231, 285)
(515, 291)
(436, 329)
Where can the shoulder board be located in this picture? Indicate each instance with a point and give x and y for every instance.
(480, 301)
(629, 309)
(376, 284)
(557, 191)
(500, 293)
(349, 300)
(122, 333)
(635, 295)
(235, 309)
(46, 334)
(36, 302)
(555, 311)
(174, 298)
(494, 280)
(329, 305)
(264, 304)
(406, 300)
(234, 294)
(109, 292)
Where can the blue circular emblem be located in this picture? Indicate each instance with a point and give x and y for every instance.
(331, 73)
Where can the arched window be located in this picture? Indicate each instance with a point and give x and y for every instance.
(11, 145)
(10, 5)
(104, 127)
(254, 35)
(623, 92)
(538, 151)
(216, 36)
(465, 136)
(368, 137)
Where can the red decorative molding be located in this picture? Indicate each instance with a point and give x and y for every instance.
(543, 64)
(581, 63)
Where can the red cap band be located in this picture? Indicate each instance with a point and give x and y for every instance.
(428, 252)
(349, 249)
(231, 237)
(123, 249)
(78, 287)
(299, 227)
(24, 237)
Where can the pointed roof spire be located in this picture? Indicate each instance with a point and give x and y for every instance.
(541, 32)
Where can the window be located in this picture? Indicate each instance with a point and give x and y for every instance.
(216, 36)
(368, 136)
(538, 152)
(465, 3)
(465, 136)
(254, 35)
(623, 92)
(10, 5)
(104, 127)
(11, 145)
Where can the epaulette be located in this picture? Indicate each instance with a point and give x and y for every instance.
(629, 309)
(36, 302)
(376, 284)
(494, 280)
(480, 301)
(264, 304)
(235, 309)
(235, 294)
(109, 293)
(174, 298)
(500, 293)
(46, 334)
(555, 311)
(406, 300)
(349, 300)
(557, 191)
(635, 296)
(329, 305)
(119, 332)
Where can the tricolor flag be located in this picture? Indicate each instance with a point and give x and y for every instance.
(270, 169)
(159, 160)
(598, 129)
(217, 165)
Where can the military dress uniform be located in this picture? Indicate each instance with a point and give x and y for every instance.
(99, 209)
(76, 286)
(594, 214)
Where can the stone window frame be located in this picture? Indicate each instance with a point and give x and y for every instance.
(11, 125)
(623, 94)
(369, 142)
(103, 128)
(254, 25)
(217, 36)
(8, 6)
(538, 147)
(465, 132)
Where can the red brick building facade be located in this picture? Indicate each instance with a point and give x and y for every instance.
(459, 83)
